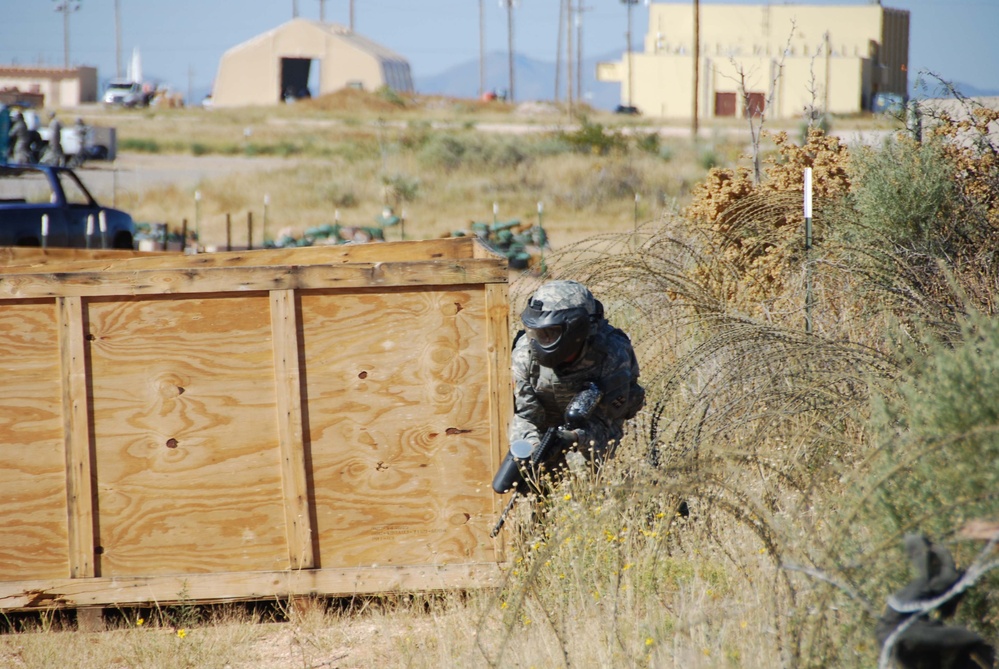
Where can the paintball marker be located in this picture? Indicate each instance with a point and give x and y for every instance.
(524, 461)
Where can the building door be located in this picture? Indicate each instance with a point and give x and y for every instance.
(295, 78)
(756, 104)
(724, 104)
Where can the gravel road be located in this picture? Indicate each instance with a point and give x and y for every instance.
(137, 172)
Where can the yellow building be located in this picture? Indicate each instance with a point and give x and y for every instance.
(802, 58)
(277, 65)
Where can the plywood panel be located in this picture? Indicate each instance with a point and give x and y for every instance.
(398, 425)
(33, 535)
(251, 426)
(188, 469)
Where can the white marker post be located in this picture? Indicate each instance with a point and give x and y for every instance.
(637, 198)
(102, 221)
(45, 230)
(808, 250)
(90, 228)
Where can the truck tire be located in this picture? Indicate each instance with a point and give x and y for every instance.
(122, 240)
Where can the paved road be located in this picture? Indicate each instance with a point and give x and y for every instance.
(137, 172)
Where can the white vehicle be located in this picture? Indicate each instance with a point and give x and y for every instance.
(125, 94)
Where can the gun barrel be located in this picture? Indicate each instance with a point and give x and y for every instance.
(502, 518)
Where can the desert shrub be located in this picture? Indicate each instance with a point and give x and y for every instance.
(753, 235)
(594, 138)
(708, 158)
(903, 190)
(442, 152)
(339, 196)
(582, 185)
(939, 432)
(923, 223)
(472, 151)
(398, 188)
(389, 95)
(935, 436)
(649, 143)
(141, 145)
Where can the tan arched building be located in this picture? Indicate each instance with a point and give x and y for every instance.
(277, 65)
(833, 58)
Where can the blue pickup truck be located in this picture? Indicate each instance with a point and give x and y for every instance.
(49, 206)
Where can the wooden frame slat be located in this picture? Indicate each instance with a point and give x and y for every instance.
(287, 374)
(259, 278)
(500, 383)
(229, 586)
(76, 431)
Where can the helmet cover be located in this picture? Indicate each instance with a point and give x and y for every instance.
(557, 319)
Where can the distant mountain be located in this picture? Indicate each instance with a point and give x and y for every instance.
(935, 89)
(532, 80)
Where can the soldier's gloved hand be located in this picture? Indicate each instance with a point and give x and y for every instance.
(569, 438)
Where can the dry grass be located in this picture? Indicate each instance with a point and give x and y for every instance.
(348, 154)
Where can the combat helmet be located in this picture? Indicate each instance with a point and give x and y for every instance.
(558, 318)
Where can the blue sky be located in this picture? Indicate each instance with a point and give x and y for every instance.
(181, 41)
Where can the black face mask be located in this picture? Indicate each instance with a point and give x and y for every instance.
(555, 336)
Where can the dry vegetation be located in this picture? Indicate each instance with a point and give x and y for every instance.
(799, 460)
(441, 162)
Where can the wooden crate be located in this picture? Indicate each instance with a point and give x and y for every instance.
(251, 425)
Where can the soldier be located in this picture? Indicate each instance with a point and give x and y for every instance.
(53, 151)
(20, 139)
(4, 133)
(567, 345)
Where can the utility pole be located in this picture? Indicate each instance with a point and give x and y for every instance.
(294, 9)
(117, 39)
(558, 48)
(697, 68)
(579, 50)
(322, 11)
(66, 6)
(828, 45)
(509, 39)
(568, 54)
(351, 15)
(631, 76)
(482, 49)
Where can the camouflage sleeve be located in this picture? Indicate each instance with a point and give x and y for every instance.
(622, 399)
(528, 413)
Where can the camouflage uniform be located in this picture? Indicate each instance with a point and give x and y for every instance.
(20, 140)
(606, 358)
(53, 152)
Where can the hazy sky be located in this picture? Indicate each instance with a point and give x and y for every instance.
(181, 41)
